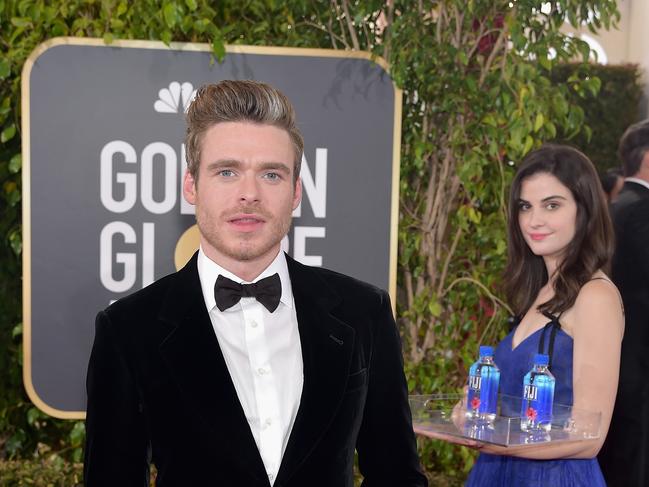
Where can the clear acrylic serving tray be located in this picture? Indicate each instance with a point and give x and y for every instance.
(446, 414)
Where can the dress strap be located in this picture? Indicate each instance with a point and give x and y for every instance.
(554, 327)
(513, 321)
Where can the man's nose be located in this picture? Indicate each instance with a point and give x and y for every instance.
(249, 189)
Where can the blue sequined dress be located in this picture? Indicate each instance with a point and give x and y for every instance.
(508, 471)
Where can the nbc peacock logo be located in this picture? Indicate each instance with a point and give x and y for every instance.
(176, 98)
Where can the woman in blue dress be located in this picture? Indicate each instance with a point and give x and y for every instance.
(560, 240)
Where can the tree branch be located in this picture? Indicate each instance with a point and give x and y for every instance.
(350, 26)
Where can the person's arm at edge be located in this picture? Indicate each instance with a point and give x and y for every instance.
(598, 325)
(116, 451)
(387, 450)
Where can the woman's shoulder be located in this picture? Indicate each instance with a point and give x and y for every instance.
(598, 304)
(599, 287)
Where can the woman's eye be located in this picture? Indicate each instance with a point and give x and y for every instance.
(552, 206)
(523, 206)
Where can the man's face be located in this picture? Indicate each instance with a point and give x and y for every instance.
(244, 194)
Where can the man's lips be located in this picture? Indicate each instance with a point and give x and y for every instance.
(538, 236)
(246, 222)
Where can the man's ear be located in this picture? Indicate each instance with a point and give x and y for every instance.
(189, 188)
(643, 168)
(297, 195)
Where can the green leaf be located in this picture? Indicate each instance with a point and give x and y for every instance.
(33, 414)
(529, 143)
(8, 133)
(17, 330)
(474, 215)
(191, 4)
(15, 163)
(5, 68)
(489, 119)
(78, 433)
(15, 442)
(435, 308)
(121, 9)
(16, 242)
(165, 37)
(21, 21)
(77, 455)
(218, 49)
(59, 28)
(108, 38)
(171, 14)
(538, 122)
(545, 61)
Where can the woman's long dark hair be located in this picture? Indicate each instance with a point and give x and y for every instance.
(590, 249)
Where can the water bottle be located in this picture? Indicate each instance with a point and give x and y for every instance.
(482, 396)
(538, 393)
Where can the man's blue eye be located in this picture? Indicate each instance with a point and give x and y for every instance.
(226, 172)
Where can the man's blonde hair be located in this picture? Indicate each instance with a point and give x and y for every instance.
(239, 101)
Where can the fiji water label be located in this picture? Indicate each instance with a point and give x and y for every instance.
(536, 411)
(531, 395)
(475, 384)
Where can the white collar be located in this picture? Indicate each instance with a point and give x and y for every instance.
(208, 271)
(638, 181)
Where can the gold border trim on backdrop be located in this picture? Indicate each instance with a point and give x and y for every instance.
(174, 46)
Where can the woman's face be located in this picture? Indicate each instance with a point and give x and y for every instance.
(547, 215)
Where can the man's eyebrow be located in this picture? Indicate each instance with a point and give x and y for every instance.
(278, 166)
(221, 163)
(235, 164)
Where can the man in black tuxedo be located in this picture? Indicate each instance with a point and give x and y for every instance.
(246, 368)
(624, 457)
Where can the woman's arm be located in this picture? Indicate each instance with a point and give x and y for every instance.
(596, 323)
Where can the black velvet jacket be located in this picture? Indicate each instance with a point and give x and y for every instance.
(623, 457)
(159, 390)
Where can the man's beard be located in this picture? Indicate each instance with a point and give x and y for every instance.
(240, 249)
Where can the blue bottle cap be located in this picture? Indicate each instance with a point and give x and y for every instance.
(541, 359)
(486, 351)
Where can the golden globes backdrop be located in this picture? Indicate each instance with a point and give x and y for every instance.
(103, 154)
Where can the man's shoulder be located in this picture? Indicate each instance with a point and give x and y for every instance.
(147, 298)
(344, 285)
(630, 203)
(346, 281)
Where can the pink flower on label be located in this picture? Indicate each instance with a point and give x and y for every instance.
(475, 403)
(531, 414)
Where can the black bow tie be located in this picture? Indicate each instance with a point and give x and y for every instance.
(267, 291)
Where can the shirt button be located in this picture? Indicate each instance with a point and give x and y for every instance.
(271, 477)
(261, 371)
(253, 324)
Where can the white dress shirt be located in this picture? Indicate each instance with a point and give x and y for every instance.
(638, 181)
(263, 355)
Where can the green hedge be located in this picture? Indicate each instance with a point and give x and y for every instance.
(51, 472)
(609, 113)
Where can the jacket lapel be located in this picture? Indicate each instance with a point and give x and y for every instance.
(327, 344)
(196, 362)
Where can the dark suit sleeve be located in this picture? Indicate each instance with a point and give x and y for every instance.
(116, 440)
(638, 231)
(386, 446)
